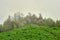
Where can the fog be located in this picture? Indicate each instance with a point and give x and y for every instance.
(48, 8)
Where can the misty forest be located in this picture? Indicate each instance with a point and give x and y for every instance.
(29, 27)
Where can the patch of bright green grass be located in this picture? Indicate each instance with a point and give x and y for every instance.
(29, 32)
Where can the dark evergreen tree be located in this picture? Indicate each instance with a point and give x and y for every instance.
(40, 16)
(58, 23)
(8, 24)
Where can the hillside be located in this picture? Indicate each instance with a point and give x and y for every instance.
(31, 32)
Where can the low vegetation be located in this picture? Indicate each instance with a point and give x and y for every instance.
(31, 32)
(29, 27)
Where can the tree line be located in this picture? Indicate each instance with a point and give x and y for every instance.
(19, 21)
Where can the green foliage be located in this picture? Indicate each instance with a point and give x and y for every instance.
(19, 21)
(58, 23)
(30, 32)
(40, 17)
(1, 28)
(34, 19)
(8, 26)
(50, 22)
(41, 22)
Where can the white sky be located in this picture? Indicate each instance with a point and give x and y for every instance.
(48, 8)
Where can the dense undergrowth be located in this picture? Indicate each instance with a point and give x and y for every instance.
(31, 32)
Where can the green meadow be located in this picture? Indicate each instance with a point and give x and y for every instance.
(31, 32)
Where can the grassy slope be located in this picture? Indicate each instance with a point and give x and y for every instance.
(31, 32)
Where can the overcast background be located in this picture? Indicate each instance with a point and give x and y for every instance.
(48, 8)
